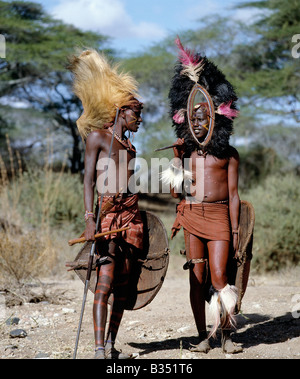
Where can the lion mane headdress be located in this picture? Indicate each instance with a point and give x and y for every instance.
(101, 88)
(190, 69)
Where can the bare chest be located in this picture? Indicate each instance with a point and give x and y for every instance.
(208, 164)
(119, 157)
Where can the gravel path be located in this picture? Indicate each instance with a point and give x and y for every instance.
(268, 328)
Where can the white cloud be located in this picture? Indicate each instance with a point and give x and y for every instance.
(108, 17)
(148, 30)
(249, 15)
(201, 9)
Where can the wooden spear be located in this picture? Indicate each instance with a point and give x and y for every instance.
(98, 235)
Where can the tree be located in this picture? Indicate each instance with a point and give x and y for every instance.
(269, 70)
(34, 70)
(256, 58)
(216, 37)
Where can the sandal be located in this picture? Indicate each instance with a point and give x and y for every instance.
(112, 353)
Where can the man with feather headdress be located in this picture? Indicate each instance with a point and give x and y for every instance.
(208, 166)
(111, 108)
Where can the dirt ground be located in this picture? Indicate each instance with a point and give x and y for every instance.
(269, 326)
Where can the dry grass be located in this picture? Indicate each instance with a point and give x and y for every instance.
(27, 199)
(24, 257)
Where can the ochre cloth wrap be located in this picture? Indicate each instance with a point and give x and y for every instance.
(124, 213)
(206, 220)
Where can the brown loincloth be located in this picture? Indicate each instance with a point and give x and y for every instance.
(124, 213)
(206, 220)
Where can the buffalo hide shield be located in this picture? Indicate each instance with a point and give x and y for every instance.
(148, 269)
(239, 269)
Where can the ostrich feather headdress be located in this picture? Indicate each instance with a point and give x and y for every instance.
(101, 89)
(190, 69)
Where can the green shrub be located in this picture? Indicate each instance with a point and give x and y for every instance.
(54, 199)
(256, 163)
(277, 222)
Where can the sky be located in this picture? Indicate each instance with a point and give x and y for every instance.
(134, 25)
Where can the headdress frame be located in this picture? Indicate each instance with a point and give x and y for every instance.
(211, 113)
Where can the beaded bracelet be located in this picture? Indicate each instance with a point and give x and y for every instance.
(88, 215)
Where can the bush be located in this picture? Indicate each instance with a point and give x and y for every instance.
(256, 164)
(26, 256)
(35, 207)
(52, 199)
(277, 222)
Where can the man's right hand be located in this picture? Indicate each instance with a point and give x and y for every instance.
(179, 149)
(90, 229)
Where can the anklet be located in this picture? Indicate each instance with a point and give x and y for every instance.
(109, 341)
(99, 348)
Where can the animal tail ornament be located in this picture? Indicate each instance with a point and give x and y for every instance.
(175, 176)
(222, 308)
(192, 66)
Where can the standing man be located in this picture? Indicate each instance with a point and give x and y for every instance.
(209, 212)
(110, 110)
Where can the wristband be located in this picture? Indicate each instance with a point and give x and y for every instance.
(88, 215)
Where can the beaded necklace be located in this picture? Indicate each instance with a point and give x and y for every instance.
(126, 143)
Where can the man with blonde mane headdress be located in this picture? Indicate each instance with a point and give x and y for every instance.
(111, 108)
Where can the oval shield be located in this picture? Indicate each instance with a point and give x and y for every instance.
(148, 271)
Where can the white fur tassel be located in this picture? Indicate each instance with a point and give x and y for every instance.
(175, 177)
(215, 310)
(222, 307)
(229, 297)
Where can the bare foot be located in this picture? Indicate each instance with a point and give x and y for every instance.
(99, 353)
(228, 346)
(202, 347)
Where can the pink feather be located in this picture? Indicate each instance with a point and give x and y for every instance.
(186, 56)
(178, 118)
(225, 110)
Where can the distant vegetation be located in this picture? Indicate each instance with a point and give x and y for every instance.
(277, 223)
(41, 161)
(42, 209)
